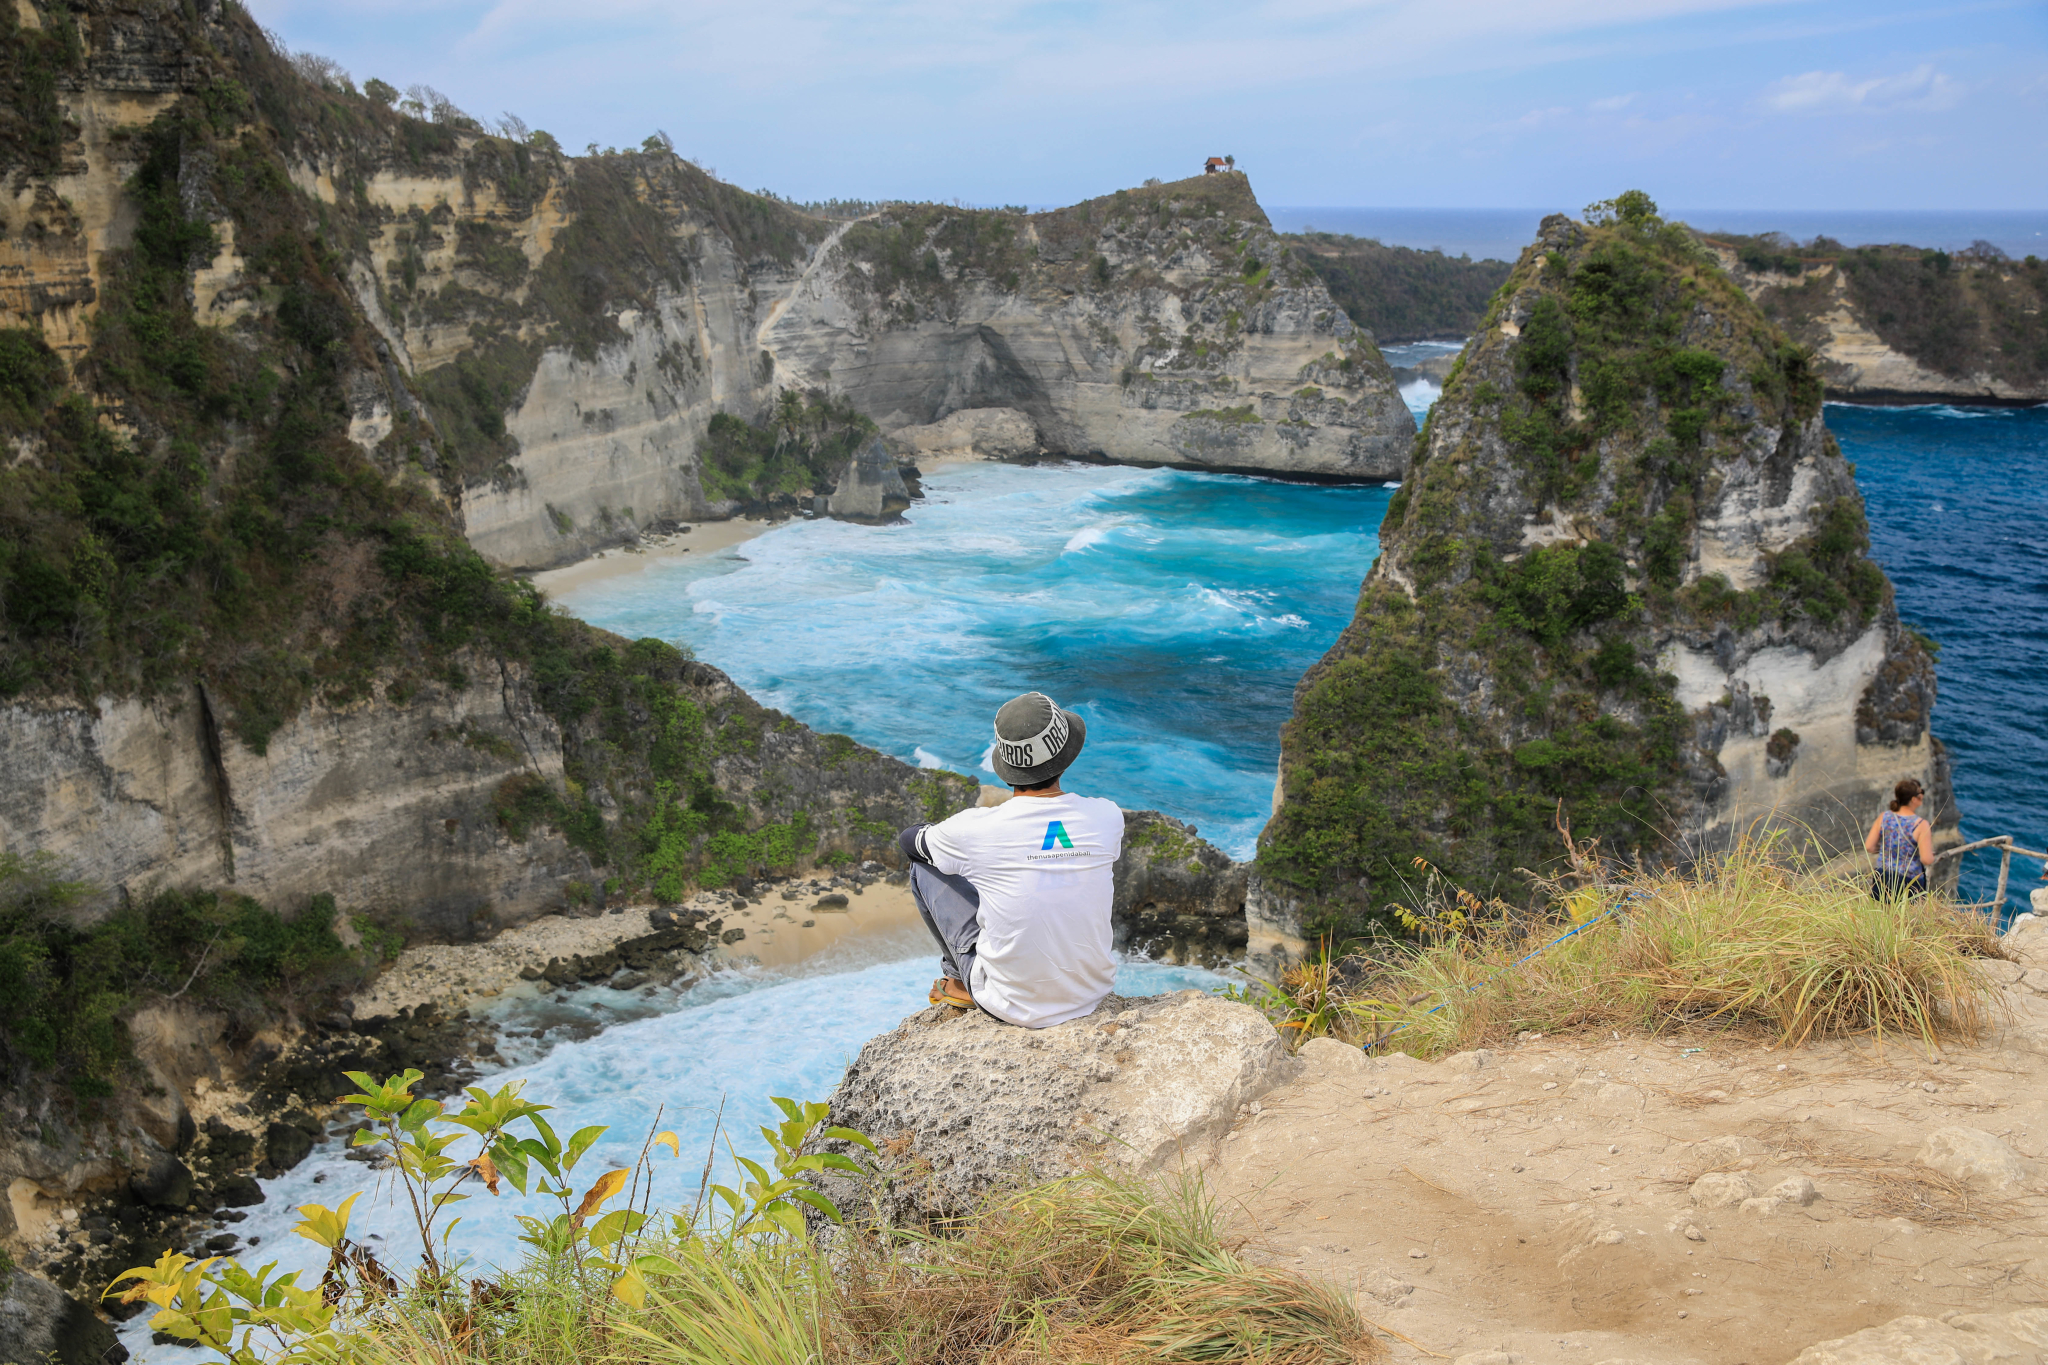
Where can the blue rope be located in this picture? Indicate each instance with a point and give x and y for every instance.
(1628, 898)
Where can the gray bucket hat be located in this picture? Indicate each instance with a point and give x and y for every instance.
(1035, 740)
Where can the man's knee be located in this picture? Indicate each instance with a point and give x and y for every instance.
(932, 886)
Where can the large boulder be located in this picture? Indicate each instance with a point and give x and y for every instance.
(1974, 1157)
(2018, 1338)
(1177, 895)
(970, 434)
(40, 1322)
(871, 489)
(962, 1103)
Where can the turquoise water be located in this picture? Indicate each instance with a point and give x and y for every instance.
(1174, 611)
(705, 1067)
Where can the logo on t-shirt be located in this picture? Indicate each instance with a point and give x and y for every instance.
(1055, 832)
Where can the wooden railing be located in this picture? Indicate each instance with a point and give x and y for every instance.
(2006, 847)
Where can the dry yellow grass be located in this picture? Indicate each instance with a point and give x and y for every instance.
(1747, 943)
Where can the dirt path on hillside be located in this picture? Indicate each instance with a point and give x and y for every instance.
(1536, 1201)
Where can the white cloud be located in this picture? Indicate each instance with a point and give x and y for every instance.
(1612, 104)
(1922, 89)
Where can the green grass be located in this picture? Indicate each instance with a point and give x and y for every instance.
(1097, 1267)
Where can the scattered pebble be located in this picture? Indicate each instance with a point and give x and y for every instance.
(1418, 1254)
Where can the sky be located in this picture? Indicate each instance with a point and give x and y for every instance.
(1810, 104)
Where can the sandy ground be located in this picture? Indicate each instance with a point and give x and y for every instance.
(1534, 1201)
(699, 541)
(783, 925)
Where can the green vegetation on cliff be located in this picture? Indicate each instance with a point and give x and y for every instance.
(1400, 294)
(188, 520)
(1501, 661)
(65, 991)
(33, 128)
(801, 447)
(1960, 315)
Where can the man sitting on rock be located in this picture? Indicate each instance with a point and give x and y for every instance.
(1018, 894)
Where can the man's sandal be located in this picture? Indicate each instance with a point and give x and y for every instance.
(947, 991)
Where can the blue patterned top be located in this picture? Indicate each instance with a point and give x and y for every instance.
(1897, 854)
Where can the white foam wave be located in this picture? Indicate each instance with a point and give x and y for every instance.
(755, 1037)
(1949, 410)
(927, 759)
(1421, 396)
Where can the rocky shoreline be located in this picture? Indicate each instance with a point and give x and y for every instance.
(229, 1111)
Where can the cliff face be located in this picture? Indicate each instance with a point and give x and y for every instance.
(1627, 572)
(1164, 325)
(257, 377)
(1903, 325)
(583, 321)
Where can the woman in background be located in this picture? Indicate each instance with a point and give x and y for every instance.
(1902, 845)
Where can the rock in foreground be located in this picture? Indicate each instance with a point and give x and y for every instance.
(962, 1103)
(1956, 1339)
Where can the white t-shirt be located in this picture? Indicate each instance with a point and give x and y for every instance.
(1042, 866)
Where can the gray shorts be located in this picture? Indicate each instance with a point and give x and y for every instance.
(951, 908)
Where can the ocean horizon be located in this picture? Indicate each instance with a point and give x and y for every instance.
(1501, 233)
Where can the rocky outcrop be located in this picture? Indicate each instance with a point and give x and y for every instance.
(961, 1103)
(40, 1322)
(1898, 324)
(970, 434)
(1167, 325)
(1177, 896)
(1627, 571)
(871, 489)
(1961, 1338)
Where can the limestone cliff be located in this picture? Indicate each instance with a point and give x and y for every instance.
(587, 320)
(1900, 324)
(257, 378)
(1163, 325)
(1627, 572)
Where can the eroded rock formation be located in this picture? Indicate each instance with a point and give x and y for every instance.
(964, 1104)
(1164, 325)
(1628, 572)
(1897, 324)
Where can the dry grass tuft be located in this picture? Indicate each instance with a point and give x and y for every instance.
(1746, 944)
(1098, 1268)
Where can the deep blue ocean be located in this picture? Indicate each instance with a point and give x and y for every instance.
(1176, 611)
(1958, 507)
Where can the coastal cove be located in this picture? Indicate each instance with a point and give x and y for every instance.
(1103, 585)
(1004, 558)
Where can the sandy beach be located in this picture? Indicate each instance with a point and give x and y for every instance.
(784, 925)
(697, 542)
